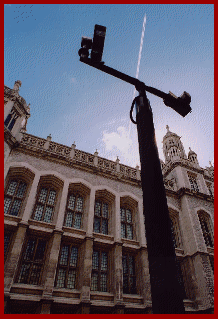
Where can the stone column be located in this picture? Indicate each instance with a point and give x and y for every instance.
(119, 309)
(204, 280)
(44, 307)
(31, 198)
(84, 308)
(143, 276)
(17, 126)
(6, 167)
(118, 274)
(85, 274)
(91, 206)
(190, 242)
(61, 211)
(142, 238)
(51, 262)
(12, 261)
(117, 226)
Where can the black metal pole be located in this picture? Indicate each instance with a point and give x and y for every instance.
(165, 289)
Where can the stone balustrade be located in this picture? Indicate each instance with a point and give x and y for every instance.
(78, 156)
(81, 157)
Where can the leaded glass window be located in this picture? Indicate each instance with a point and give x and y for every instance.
(101, 217)
(126, 223)
(11, 119)
(99, 271)
(67, 267)
(193, 183)
(129, 277)
(14, 196)
(175, 232)
(74, 211)
(212, 262)
(32, 261)
(7, 240)
(208, 238)
(44, 208)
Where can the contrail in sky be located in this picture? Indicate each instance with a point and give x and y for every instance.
(139, 58)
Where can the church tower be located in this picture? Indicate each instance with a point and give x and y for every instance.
(172, 147)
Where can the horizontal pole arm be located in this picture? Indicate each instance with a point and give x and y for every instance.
(180, 105)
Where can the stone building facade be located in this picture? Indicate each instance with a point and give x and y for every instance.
(74, 234)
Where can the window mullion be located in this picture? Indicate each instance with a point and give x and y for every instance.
(101, 217)
(11, 204)
(32, 262)
(99, 271)
(45, 205)
(129, 286)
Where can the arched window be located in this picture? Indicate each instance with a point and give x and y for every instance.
(14, 196)
(193, 182)
(206, 229)
(33, 259)
(47, 199)
(77, 207)
(74, 210)
(11, 119)
(175, 229)
(101, 217)
(129, 275)
(67, 267)
(128, 217)
(126, 223)
(45, 203)
(99, 279)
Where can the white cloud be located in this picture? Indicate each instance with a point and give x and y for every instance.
(120, 143)
(119, 140)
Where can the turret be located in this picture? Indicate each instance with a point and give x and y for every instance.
(172, 147)
(192, 157)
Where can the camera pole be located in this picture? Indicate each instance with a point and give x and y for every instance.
(165, 289)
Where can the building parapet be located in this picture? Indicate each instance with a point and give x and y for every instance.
(79, 157)
(93, 160)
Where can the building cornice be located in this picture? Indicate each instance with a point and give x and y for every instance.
(186, 191)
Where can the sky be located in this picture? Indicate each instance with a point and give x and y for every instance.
(77, 103)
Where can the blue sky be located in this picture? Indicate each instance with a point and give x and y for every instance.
(75, 102)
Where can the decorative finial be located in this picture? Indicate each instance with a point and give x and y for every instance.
(190, 149)
(167, 127)
(210, 163)
(73, 146)
(117, 160)
(17, 85)
(49, 137)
